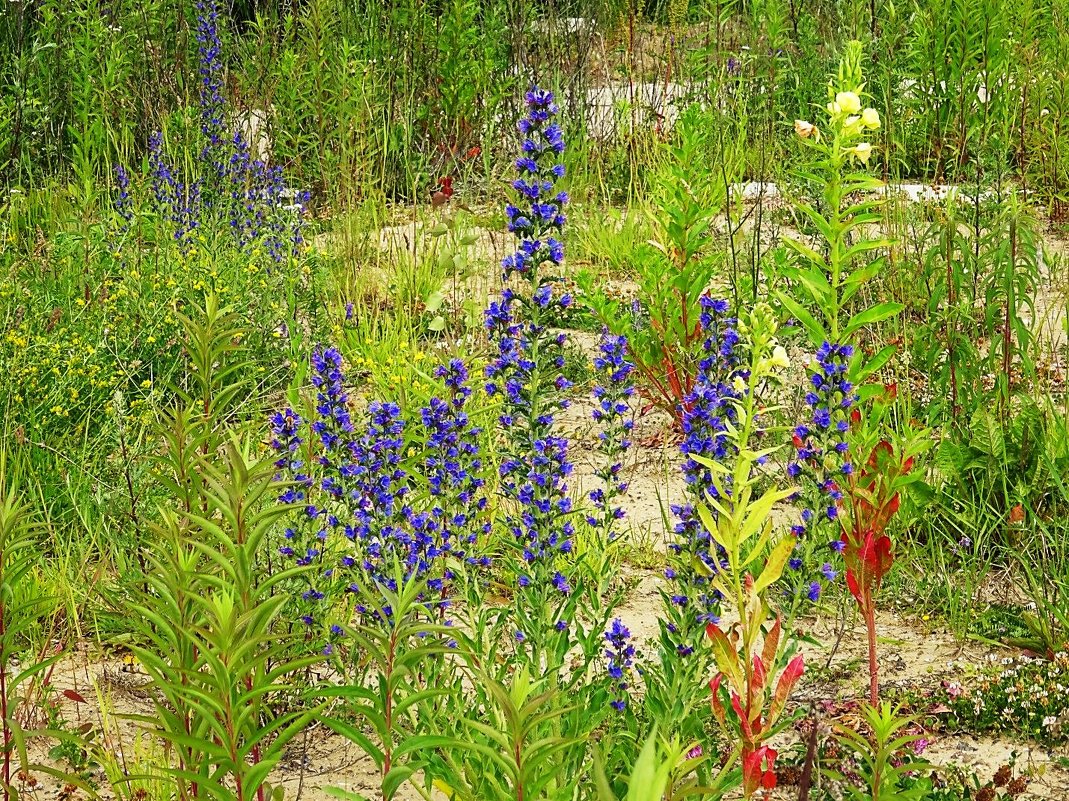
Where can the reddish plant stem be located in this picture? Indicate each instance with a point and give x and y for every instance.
(870, 624)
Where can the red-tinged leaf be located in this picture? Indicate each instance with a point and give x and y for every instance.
(892, 505)
(751, 772)
(852, 585)
(758, 769)
(74, 696)
(882, 450)
(768, 652)
(718, 706)
(712, 631)
(789, 677)
(906, 466)
(855, 416)
(744, 720)
(759, 673)
(884, 557)
(797, 441)
(1017, 514)
(890, 391)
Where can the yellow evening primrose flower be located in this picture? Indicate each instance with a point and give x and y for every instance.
(863, 150)
(848, 102)
(780, 358)
(870, 118)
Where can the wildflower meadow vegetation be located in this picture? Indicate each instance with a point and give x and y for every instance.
(570, 401)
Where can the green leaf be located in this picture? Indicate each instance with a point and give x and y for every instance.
(345, 795)
(860, 371)
(812, 327)
(395, 778)
(434, 302)
(773, 569)
(881, 311)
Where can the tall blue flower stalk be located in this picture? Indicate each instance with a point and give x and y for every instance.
(453, 467)
(613, 414)
(210, 70)
(821, 461)
(304, 539)
(227, 189)
(707, 412)
(525, 375)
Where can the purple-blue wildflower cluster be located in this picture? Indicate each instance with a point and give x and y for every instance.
(821, 461)
(210, 69)
(452, 465)
(361, 513)
(708, 410)
(620, 660)
(525, 374)
(613, 414)
(232, 188)
(538, 223)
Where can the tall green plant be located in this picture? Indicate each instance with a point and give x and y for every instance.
(676, 267)
(830, 277)
(212, 638)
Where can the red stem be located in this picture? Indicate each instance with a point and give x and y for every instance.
(870, 625)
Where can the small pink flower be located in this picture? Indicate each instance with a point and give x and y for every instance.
(695, 752)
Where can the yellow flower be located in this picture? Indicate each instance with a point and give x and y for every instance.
(863, 150)
(870, 118)
(780, 358)
(739, 385)
(848, 102)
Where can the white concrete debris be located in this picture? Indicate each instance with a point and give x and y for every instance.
(914, 193)
(253, 126)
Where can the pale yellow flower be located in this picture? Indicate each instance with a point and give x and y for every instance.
(848, 102)
(780, 358)
(870, 118)
(863, 151)
(738, 384)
